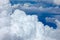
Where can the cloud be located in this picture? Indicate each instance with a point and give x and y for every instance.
(20, 26)
(58, 23)
(49, 19)
(30, 7)
(3, 2)
(28, 23)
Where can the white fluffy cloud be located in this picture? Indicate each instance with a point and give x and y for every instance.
(19, 26)
(31, 29)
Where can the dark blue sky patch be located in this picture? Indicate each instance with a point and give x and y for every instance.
(42, 16)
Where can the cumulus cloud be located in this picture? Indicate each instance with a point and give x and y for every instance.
(20, 26)
(31, 23)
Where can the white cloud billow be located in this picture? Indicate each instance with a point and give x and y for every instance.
(19, 26)
(26, 23)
